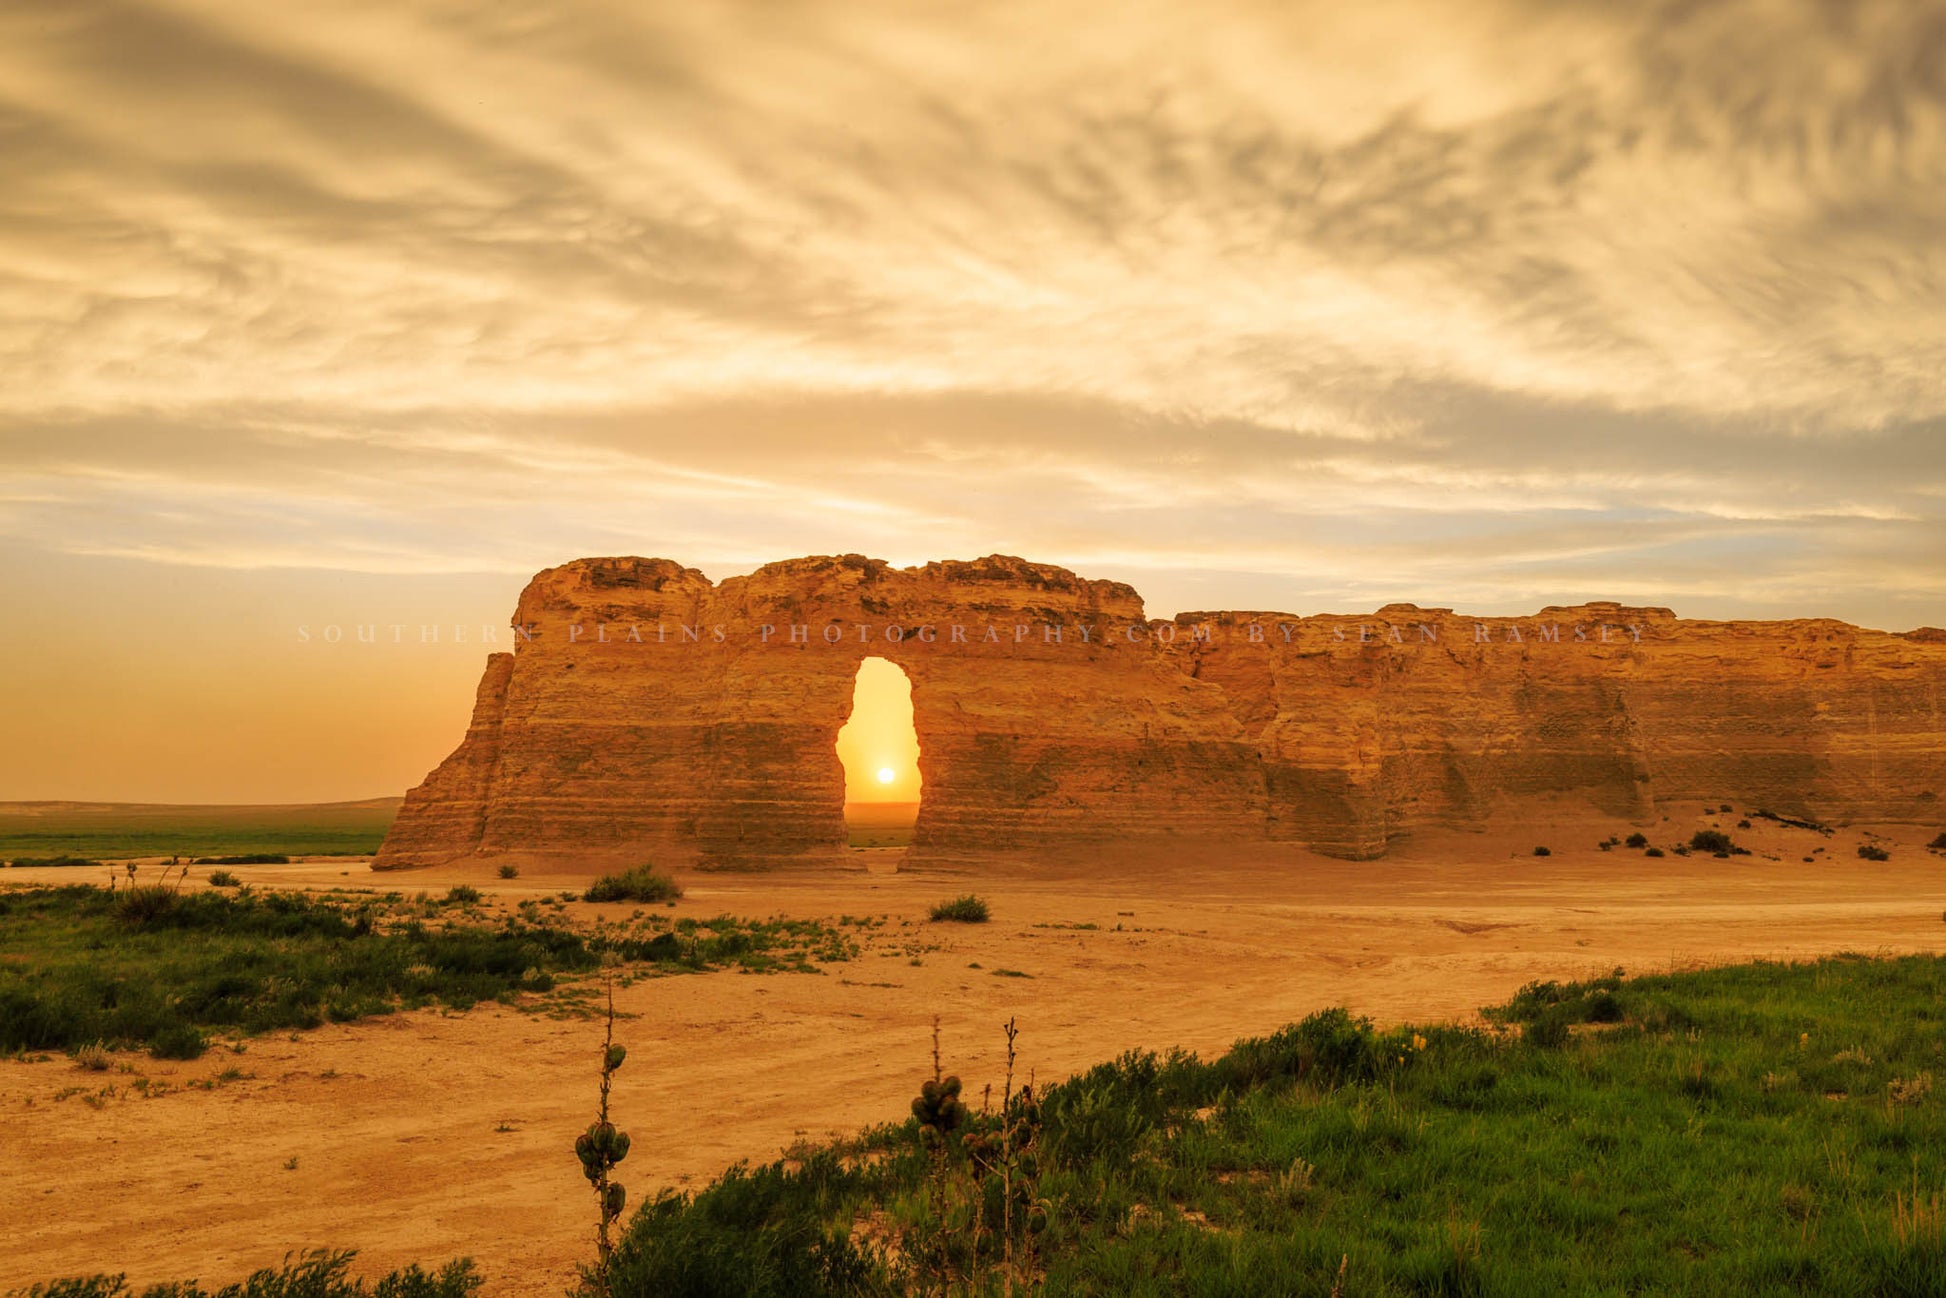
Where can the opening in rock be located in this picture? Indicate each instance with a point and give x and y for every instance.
(880, 752)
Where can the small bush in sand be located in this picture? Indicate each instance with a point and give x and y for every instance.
(1654, 851)
(93, 1057)
(509, 872)
(1939, 843)
(1637, 840)
(962, 910)
(1713, 840)
(178, 1041)
(638, 883)
(463, 895)
(1873, 852)
(224, 879)
(1542, 851)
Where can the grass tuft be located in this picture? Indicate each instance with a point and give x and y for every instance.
(967, 909)
(637, 883)
(314, 1274)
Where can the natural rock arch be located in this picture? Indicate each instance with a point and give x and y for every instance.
(646, 709)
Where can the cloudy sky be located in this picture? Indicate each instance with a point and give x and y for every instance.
(313, 310)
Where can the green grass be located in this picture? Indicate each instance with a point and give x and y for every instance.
(1761, 1129)
(108, 831)
(961, 910)
(145, 966)
(318, 1274)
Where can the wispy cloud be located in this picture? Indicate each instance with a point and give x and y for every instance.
(1489, 302)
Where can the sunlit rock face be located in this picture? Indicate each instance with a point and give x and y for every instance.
(646, 710)
(653, 710)
(1371, 725)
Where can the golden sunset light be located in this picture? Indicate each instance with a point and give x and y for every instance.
(349, 312)
(877, 744)
(1041, 648)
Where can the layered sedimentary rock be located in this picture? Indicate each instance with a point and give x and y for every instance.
(651, 709)
(647, 709)
(1371, 725)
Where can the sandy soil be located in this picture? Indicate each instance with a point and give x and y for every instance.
(425, 1136)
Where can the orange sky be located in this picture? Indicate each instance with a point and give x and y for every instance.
(878, 738)
(366, 311)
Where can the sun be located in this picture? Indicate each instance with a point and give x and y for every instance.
(886, 775)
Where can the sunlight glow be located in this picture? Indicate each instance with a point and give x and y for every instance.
(878, 744)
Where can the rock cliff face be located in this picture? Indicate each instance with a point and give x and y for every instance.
(1368, 726)
(646, 710)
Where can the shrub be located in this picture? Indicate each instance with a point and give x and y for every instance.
(1548, 1031)
(223, 879)
(1711, 840)
(93, 1057)
(1089, 1123)
(178, 1041)
(962, 910)
(25, 861)
(463, 895)
(1602, 1007)
(1873, 852)
(1939, 843)
(509, 872)
(637, 883)
(144, 903)
(1542, 851)
(1637, 840)
(760, 1233)
(1330, 1047)
(1654, 851)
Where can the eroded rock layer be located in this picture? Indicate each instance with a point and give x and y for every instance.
(648, 710)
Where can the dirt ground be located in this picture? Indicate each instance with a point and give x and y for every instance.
(425, 1136)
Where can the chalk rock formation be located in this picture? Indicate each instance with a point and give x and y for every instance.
(647, 710)
(1370, 725)
(652, 710)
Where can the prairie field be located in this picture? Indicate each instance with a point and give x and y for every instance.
(122, 830)
(314, 1056)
